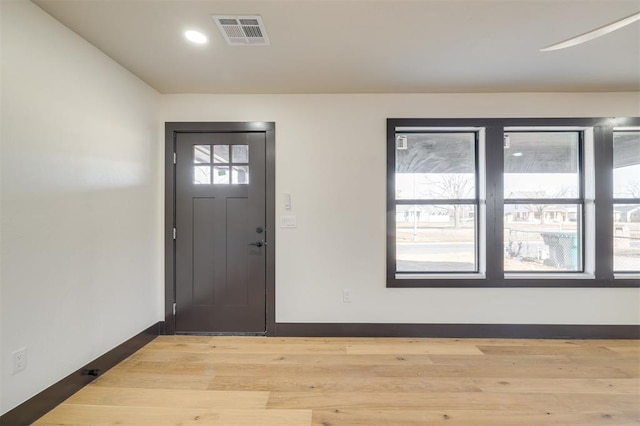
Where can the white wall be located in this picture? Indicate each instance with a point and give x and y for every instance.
(81, 252)
(331, 157)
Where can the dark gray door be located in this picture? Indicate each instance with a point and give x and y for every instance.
(220, 232)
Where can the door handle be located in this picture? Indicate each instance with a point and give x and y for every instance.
(258, 243)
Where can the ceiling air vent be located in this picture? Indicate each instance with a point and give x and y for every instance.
(242, 30)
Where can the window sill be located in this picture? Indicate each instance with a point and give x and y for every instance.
(626, 276)
(440, 276)
(550, 276)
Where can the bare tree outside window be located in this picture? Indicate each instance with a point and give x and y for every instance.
(633, 188)
(455, 186)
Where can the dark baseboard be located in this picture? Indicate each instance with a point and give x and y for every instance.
(39, 405)
(505, 331)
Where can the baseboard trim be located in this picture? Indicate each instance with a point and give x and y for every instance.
(505, 331)
(39, 405)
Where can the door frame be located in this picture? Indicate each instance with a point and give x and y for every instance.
(172, 129)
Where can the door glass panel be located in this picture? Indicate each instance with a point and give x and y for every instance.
(436, 238)
(626, 237)
(240, 153)
(221, 153)
(541, 165)
(221, 175)
(201, 175)
(542, 237)
(240, 174)
(202, 154)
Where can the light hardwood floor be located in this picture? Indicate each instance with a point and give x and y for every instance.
(190, 380)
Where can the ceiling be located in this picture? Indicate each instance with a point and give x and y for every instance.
(366, 46)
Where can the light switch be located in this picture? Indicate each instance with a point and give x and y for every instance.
(288, 222)
(287, 201)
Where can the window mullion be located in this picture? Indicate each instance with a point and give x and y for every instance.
(494, 198)
(603, 188)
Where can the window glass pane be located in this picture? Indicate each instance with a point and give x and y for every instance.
(240, 153)
(541, 165)
(240, 174)
(436, 238)
(220, 175)
(626, 165)
(202, 154)
(221, 153)
(201, 175)
(542, 237)
(435, 166)
(626, 237)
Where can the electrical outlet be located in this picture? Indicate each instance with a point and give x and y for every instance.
(19, 360)
(346, 296)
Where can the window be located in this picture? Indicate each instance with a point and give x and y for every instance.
(543, 201)
(229, 165)
(513, 203)
(437, 202)
(626, 201)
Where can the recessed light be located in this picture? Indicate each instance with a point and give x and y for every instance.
(195, 37)
(517, 154)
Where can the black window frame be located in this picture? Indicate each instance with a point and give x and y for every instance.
(494, 274)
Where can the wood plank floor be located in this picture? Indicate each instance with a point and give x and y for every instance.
(185, 380)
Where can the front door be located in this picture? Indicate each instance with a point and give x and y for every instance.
(220, 240)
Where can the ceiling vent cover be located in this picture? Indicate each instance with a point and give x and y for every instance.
(242, 30)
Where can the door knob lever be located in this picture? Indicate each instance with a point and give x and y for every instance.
(258, 243)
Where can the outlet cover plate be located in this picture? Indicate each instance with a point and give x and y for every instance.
(19, 360)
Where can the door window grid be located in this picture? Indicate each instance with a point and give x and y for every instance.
(221, 164)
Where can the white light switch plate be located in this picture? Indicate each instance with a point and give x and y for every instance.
(288, 222)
